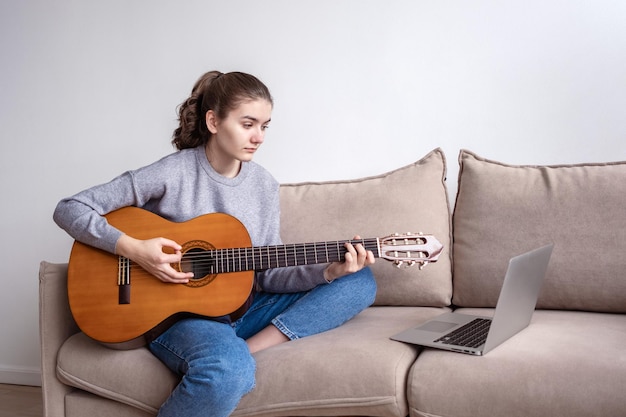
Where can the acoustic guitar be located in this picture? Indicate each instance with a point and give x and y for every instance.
(113, 300)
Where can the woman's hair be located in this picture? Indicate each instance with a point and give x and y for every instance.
(218, 92)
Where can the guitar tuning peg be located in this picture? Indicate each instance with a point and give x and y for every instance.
(423, 264)
(406, 264)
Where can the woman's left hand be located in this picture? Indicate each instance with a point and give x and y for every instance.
(355, 259)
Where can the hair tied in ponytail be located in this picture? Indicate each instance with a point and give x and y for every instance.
(220, 97)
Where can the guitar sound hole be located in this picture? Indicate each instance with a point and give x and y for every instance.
(198, 261)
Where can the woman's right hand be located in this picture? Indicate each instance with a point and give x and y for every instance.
(150, 256)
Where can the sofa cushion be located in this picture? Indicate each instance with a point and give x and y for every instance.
(134, 377)
(409, 199)
(503, 210)
(566, 363)
(352, 370)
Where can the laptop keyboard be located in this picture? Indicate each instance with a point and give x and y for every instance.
(473, 334)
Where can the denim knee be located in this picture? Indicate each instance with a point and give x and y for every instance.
(227, 375)
(340, 301)
(217, 368)
(364, 282)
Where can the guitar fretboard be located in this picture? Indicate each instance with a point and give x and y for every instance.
(266, 257)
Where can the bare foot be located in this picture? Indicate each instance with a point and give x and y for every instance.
(267, 337)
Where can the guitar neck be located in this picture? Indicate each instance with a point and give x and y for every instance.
(266, 257)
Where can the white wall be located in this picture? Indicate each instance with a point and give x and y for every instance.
(89, 89)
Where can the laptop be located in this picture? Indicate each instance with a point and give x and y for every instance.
(478, 335)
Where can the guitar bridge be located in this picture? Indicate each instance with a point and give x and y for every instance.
(123, 280)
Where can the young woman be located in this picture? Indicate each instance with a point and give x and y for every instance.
(222, 125)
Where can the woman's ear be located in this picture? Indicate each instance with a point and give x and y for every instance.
(211, 121)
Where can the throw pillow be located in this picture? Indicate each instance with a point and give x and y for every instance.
(503, 210)
(409, 199)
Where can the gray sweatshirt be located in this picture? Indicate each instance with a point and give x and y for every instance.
(180, 187)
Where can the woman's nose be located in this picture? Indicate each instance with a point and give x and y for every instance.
(258, 136)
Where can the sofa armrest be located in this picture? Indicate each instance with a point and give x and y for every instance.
(55, 326)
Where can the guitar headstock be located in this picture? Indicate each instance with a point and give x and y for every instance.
(408, 249)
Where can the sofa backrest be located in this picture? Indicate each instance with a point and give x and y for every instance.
(503, 210)
(409, 199)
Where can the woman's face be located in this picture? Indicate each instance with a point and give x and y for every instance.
(241, 133)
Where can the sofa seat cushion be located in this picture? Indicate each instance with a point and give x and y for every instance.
(79, 403)
(565, 363)
(352, 370)
(134, 377)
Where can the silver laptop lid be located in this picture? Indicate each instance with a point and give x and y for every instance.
(518, 297)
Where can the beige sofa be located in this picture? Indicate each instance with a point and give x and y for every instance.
(570, 361)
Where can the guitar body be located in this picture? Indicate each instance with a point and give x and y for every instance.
(95, 293)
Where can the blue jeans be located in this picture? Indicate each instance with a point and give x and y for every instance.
(213, 359)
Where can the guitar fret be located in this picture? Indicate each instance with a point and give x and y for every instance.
(277, 251)
(285, 253)
(311, 255)
(261, 258)
(277, 260)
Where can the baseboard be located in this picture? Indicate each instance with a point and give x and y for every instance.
(20, 376)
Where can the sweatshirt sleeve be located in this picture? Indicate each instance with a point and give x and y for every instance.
(292, 279)
(81, 215)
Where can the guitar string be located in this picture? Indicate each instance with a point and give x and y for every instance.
(289, 249)
(273, 252)
(261, 258)
(274, 256)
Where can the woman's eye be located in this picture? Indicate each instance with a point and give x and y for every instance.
(265, 127)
